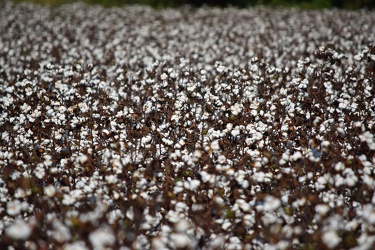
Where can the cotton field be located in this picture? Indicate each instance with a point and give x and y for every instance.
(135, 128)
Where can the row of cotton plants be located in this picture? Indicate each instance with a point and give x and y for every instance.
(134, 128)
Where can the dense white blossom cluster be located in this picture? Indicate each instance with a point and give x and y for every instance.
(134, 128)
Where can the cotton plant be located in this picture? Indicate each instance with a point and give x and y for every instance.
(159, 131)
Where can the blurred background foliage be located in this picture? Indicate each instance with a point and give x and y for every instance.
(305, 4)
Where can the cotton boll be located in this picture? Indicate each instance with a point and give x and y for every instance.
(77, 245)
(325, 144)
(192, 185)
(271, 203)
(14, 207)
(219, 201)
(182, 226)
(368, 137)
(20, 230)
(182, 241)
(282, 161)
(178, 188)
(197, 207)
(217, 242)
(61, 232)
(235, 132)
(331, 239)
(321, 183)
(245, 184)
(236, 109)
(230, 172)
(229, 126)
(205, 176)
(225, 224)
(197, 154)
(244, 205)
(322, 209)
(215, 145)
(102, 237)
(296, 156)
(351, 181)
(49, 190)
